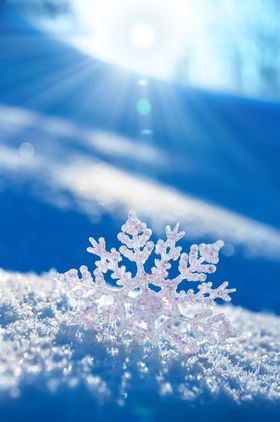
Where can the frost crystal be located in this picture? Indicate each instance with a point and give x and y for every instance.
(152, 307)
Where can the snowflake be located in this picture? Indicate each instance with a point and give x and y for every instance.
(152, 307)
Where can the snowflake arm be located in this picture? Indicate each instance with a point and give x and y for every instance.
(200, 262)
(136, 245)
(109, 261)
(168, 251)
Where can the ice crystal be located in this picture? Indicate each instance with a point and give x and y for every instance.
(152, 307)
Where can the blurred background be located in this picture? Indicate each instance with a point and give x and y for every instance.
(168, 107)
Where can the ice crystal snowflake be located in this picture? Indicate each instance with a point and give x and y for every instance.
(152, 307)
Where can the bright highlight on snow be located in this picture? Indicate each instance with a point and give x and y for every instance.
(152, 307)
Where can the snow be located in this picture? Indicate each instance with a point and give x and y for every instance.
(48, 354)
(95, 183)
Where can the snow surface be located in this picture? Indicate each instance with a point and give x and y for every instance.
(48, 355)
(97, 184)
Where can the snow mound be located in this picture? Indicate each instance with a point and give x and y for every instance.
(46, 353)
(91, 177)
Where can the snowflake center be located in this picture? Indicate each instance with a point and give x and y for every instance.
(147, 306)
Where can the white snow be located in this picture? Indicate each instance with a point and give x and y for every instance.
(44, 346)
(97, 184)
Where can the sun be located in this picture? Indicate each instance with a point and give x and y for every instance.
(144, 36)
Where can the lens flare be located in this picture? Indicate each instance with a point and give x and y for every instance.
(143, 107)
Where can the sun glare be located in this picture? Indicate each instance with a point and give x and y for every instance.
(144, 36)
